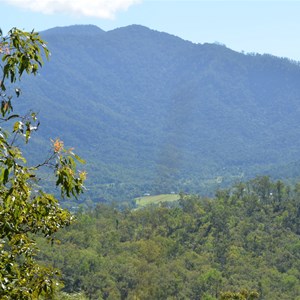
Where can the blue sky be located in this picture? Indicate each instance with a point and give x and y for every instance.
(251, 26)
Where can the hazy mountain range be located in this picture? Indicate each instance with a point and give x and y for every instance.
(151, 112)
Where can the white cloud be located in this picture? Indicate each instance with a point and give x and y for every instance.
(105, 9)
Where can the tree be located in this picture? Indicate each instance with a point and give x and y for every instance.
(242, 295)
(25, 209)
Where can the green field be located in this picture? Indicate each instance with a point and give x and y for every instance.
(146, 200)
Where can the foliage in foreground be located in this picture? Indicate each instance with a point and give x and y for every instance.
(25, 209)
(243, 244)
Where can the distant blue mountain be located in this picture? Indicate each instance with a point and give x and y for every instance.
(152, 112)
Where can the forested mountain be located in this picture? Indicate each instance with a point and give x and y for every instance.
(151, 112)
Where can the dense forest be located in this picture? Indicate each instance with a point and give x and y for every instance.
(242, 244)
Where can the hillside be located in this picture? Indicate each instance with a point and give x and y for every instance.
(151, 112)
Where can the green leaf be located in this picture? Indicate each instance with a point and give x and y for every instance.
(5, 176)
(82, 161)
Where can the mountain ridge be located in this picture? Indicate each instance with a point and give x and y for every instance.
(151, 111)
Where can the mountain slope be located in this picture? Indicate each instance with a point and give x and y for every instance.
(152, 112)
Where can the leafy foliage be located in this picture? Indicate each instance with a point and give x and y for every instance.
(25, 209)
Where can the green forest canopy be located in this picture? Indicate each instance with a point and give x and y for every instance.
(242, 244)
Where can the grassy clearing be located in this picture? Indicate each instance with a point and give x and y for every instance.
(146, 200)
